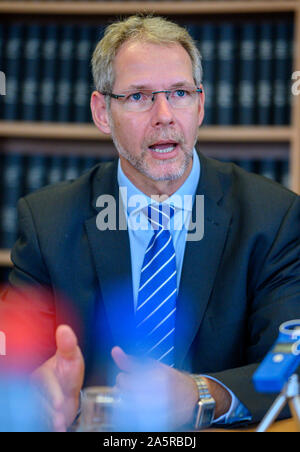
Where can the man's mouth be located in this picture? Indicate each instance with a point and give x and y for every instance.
(163, 148)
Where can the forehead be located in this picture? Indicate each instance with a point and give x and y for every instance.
(151, 65)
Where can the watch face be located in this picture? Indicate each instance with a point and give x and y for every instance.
(207, 416)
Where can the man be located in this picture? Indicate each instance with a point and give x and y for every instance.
(235, 284)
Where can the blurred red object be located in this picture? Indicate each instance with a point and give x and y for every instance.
(28, 324)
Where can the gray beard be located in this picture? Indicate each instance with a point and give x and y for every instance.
(139, 162)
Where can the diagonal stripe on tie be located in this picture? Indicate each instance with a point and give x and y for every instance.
(154, 274)
(156, 308)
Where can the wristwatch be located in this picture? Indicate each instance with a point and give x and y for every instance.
(205, 409)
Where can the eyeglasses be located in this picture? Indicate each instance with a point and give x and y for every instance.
(139, 101)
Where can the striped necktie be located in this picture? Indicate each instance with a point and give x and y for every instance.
(156, 307)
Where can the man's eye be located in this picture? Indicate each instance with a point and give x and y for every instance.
(181, 92)
(135, 97)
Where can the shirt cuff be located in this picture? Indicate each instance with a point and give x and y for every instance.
(237, 411)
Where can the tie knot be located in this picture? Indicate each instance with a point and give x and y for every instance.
(159, 215)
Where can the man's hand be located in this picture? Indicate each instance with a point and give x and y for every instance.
(158, 397)
(60, 380)
(162, 397)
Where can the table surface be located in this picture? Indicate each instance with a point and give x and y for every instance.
(286, 425)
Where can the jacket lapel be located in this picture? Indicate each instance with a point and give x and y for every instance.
(111, 253)
(201, 261)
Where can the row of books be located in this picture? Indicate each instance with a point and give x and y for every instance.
(247, 71)
(21, 174)
(48, 71)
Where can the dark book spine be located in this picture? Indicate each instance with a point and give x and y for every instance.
(72, 168)
(284, 173)
(225, 104)
(2, 71)
(87, 163)
(30, 86)
(11, 192)
(208, 44)
(48, 73)
(13, 71)
(282, 77)
(265, 74)
(267, 168)
(82, 89)
(2, 44)
(55, 170)
(66, 74)
(35, 173)
(247, 75)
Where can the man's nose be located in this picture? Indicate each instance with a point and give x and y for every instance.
(162, 112)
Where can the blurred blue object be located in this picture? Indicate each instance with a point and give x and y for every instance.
(20, 407)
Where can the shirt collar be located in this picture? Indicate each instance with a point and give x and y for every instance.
(189, 187)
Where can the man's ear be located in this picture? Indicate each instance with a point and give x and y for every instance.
(201, 105)
(99, 112)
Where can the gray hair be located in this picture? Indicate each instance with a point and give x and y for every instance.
(150, 29)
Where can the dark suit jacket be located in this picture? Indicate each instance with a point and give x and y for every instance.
(238, 283)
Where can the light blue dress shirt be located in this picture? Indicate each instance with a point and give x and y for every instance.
(140, 233)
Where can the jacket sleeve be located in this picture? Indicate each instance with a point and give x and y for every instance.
(274, 297)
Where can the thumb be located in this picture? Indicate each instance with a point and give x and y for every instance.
(66, 342)
(69, 362)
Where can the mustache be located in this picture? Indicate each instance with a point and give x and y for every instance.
(163, 135)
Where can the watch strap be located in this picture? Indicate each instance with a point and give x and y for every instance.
(205, 409)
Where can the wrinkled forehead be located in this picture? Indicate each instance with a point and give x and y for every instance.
(150, 65)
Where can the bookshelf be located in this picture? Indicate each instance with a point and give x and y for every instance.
(160, 7)
(90, 132)
(11, 131)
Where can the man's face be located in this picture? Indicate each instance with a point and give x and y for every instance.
(156, 144)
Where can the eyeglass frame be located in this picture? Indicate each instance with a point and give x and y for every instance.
(119, 96)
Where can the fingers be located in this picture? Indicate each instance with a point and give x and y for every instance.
(124, 382)
(60, 379)
(48, 385)
(59, 423)
(51, 399)
(122, 360)
(129, 363)
(52, 420)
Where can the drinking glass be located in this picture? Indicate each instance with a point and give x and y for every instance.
(98, 406)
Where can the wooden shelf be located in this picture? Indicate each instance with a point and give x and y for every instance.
(5, 258)
(73, 131)
(245, 133)
(50, 130)
(160, 7)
